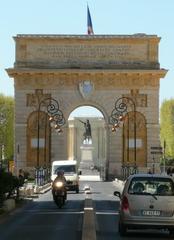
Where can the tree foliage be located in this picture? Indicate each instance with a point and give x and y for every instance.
(167, 127)
(6, 127)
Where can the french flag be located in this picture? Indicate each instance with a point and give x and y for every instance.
(89, 21)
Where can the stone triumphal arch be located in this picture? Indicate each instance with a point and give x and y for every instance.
(79, 70)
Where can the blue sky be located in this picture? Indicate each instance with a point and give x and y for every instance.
(70, 17)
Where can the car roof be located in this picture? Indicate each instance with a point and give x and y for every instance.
(149, 175)
(64, 162)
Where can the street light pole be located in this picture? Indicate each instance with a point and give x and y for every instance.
(135, 135)
(164, 156)
(38, 136)
(2, 121)
(118, 116)
(45, 136)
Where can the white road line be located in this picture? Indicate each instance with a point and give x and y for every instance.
(53, 212)
(71, 212)
(106, 213)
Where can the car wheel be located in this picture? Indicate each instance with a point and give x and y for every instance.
(122, 229)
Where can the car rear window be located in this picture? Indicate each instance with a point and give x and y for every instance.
(151, 185)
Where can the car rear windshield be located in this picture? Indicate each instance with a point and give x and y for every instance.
(151, 185)
(65, 168)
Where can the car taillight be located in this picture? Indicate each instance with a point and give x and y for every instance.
(125, 203)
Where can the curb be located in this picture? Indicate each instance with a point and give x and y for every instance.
(33, 191)
(45, 190)
(42, 189)
(9, 205)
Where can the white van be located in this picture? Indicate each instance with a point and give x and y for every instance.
(70, 172)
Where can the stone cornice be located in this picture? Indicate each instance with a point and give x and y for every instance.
(71, 78)
(14, 72)
(84, 36)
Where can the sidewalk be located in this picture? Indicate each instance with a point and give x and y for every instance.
(30, 190)
(26, 193)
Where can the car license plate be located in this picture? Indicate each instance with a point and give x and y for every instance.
(151, 213)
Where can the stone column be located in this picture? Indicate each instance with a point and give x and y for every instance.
(108, 155)
(72, 143)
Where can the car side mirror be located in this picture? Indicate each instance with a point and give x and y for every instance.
(117, 194)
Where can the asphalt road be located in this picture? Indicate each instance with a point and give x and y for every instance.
(41, 219)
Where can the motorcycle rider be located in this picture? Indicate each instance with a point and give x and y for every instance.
(60, 177)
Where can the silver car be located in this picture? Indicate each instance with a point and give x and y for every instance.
(147, 202)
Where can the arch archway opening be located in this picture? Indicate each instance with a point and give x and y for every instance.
(87, 139)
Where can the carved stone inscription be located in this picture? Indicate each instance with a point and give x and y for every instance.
(107, 54)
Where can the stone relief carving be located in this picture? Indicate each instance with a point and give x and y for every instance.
(140, 100)
(34, 99)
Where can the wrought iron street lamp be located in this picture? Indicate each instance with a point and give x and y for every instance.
(56, 120)
(121, 112)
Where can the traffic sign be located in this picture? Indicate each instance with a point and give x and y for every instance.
(156, 152)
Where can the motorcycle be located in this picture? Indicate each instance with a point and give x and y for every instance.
(59, 193)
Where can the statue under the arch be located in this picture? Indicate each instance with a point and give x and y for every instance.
(87, 133)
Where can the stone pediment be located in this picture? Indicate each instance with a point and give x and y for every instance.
(81, 51)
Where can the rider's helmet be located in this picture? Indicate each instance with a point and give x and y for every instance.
(60, 173)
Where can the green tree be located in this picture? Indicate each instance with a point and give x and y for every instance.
(167, 127)
(6, 127)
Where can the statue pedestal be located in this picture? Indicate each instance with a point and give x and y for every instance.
(86, 156)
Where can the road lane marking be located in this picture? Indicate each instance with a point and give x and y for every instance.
(88, 208)
(53, 212)
(107, 213)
